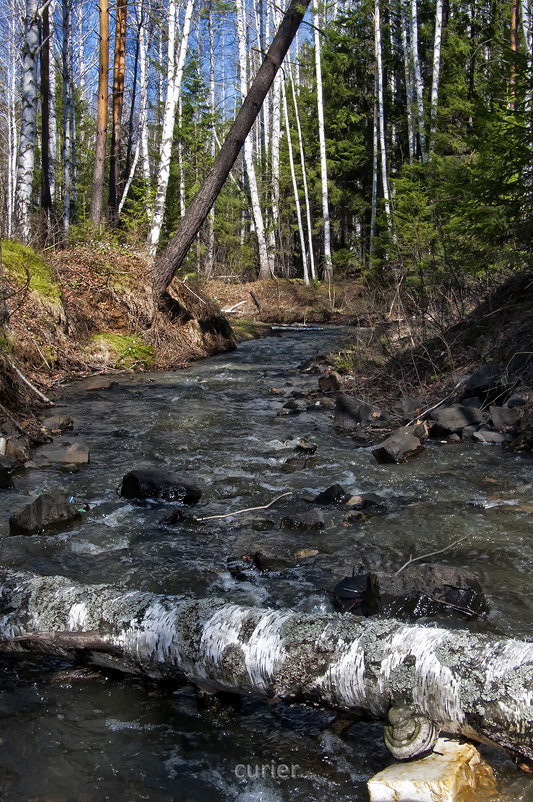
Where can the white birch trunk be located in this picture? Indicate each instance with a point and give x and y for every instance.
(28, 129)
(141, 148)
(375, 147)
(527, 28)
(210, 261)
(295, 188)
(52, 142)
(419, 88)
(409, 89)
(381, 112)
(67, 128)
(436, 75)
(457, 681)
(12, 134)
(328, 262)
(274, 155)
(174, 80)
(304, 179)
(257, 214)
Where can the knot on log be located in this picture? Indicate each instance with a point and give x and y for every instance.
(409, 734)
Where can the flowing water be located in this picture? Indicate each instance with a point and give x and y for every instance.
(68, 736)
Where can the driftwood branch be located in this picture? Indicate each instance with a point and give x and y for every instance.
(32, 387)
(248, 509)
(432, 553)
(460, 682)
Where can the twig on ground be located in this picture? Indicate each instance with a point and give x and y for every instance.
(248, 509)
(433, 553)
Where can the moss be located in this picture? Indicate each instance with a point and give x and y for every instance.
(124, 351)
(21, 262)
(249, 329)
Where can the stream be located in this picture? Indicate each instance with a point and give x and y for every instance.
(82, 736)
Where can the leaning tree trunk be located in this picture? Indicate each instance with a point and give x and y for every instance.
(424, 678)
(171, 258)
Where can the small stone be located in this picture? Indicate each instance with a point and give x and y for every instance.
(6, 482)
(490, 437)
(294, 464)
(314, 519)
(305, 445)
(101, 383)
(61, 423)
(453, 771)
(303, 554)
(399, 447)
(332, 495)
(330, 382)
(64, 453)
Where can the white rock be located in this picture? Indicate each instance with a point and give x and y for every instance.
(450, 770)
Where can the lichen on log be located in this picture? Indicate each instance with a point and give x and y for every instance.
(476, 685)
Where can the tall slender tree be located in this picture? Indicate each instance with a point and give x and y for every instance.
(328, 261)
(28, 129)
(101, 124)
(119, 66)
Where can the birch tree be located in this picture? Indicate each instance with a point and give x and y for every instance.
(67, 127)
(297, 204)
(28, 129)
(175, 67)
(46, 197)
(381, 110)
(257, 213)
(436, 74)
(421, 679)
(328, 261)
(304, 177)
(419, 87)
(409, 83)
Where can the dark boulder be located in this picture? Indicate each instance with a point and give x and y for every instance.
(58, 423)
(350, 413)
(357, 594)
(490, 384)
(147, 482)
(431, 589)
(6, 482)
(489, 436)
(332, 495)
(503, 418)
(46, 512)
(453, 419)
(400, 446)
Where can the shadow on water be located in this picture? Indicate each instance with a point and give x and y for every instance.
(91, 737)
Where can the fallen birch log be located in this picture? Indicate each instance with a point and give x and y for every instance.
(424, 679)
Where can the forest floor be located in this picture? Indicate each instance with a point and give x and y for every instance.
(89, 310)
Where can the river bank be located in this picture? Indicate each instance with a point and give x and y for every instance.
(89, 311)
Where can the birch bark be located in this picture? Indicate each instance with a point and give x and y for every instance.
(381, 112)
(304, 179)
(328, 262)
(174, 80)
(457, 681)
(295, 188)
(28, 129)
(419, 87)
(436, 74)
(257, 214)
